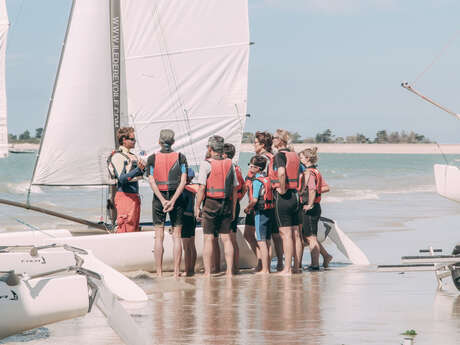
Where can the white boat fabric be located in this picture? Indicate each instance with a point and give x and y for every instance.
(79, 133)
(4, 26)
(187, 70)
(447, 179)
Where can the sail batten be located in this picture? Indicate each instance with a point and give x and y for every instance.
(4, 26)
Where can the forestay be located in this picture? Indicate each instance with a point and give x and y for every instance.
(4, 25)
(78, 134)
(186, 69)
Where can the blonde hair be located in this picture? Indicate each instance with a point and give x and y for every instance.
(286, 138)
(310, 153)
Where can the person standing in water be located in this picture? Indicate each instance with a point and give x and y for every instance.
(167, 174)
(284, 176)
(229, 152)
(189, 224)
(261, 200)
(263, 142)
(127, 170)
(310, 198)
(218, 183)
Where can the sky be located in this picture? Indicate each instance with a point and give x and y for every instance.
(315, 65)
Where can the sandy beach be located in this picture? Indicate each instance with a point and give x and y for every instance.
(375, 148)
(343, 148)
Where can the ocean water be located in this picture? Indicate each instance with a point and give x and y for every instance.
(388, 206)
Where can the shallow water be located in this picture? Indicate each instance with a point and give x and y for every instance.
(386, 203)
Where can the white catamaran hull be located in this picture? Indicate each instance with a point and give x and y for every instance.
(134, 251)
(447, 179)
(37, 302)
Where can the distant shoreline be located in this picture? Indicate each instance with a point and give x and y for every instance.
(342, 148)
(375, 148)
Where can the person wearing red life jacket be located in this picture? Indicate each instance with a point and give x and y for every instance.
(189, 224)
(310, 198)
(263, 142)
(219, 184)
(261, 201)
(126, 169)
(284, 175)
(167, 174)
(229, 152)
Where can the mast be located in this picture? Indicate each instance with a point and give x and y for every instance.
(115, 50)
(4, 26)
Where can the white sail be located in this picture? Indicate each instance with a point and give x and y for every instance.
(79, 132)
(4, 25)
(186, 69)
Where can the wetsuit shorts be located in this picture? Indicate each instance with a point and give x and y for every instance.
(286, 208)
(188, 226)
(217, 216)
(310, 221)
(249, 220)
(234, 225)
(176, 214)
(264, 224)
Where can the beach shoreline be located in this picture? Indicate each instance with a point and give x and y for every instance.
(375, 148)
(340, 148)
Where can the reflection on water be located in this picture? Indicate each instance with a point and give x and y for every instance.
(344, 305)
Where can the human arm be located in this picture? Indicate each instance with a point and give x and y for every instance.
(199, 201)
(282, 178)
(311, 185)
(157, 192)
(169, 205)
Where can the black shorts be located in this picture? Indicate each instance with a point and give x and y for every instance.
(176, 214)
(310, 221)
(286, 208)
(234, 225)
(250, 219)
(188, 226)
(217, 216)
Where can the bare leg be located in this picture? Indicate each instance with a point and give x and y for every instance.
(314, 250)
(193, 255)
(159, 236)
(207, 253)
(177, 248)
(250, 237)
(288, 248)
(236, 252)
(186, 244)
(298, 248)
(264, 257)
(327, 258)
(215, 255)
(228, 249)
(278, 245)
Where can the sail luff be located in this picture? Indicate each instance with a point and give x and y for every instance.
(4, 26)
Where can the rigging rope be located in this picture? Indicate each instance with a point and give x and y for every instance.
(443, 155)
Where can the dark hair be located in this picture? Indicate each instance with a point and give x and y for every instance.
(259, 161)
(229, 150)
(123, 133)
(266, 139)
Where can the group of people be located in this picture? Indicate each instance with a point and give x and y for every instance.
(283, 189)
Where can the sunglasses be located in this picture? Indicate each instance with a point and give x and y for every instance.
(132, 139)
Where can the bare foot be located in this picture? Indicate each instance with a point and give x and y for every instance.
(160, 274)
(326, 261)
(229, 274)
(263, 272)
(285, 273)
(179, 274)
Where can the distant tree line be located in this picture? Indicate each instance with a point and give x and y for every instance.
(326, 137)
(25, 137)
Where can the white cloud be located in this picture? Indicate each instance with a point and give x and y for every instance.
(330, 6)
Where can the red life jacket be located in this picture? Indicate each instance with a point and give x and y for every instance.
(219, 184)
(241, 181)
(167, 172)
(192, 187)
(265, 201)
(292, 171)
(318, 182)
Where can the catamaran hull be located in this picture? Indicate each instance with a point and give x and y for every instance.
(447, 179)
(37, 302)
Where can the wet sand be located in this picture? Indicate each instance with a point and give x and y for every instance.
(343, 305)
